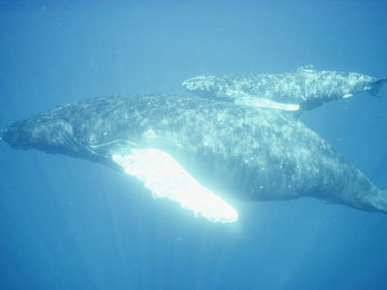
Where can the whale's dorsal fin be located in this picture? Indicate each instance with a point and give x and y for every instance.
(165, 178)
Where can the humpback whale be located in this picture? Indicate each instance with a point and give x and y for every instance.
(201, 153)
(302, 89)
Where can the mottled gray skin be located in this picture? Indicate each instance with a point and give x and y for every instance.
(249, 153)
(305, 86)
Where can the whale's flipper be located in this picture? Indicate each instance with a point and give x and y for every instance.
(265, 103)
(167, 179)
(376, 86)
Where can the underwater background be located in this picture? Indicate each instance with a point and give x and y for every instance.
(67, 223)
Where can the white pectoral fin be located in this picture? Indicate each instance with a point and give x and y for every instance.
(166, 178)
(265, 103)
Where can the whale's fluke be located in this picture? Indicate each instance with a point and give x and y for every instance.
(376, 86)
(379, 201)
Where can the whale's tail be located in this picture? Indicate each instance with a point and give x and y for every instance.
(379, 202)
(376, 86)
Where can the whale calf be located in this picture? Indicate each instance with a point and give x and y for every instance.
(302, 89)
(201, 153)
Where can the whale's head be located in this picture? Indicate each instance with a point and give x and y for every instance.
(52, 135)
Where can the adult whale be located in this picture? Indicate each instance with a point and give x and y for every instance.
(302, 89)
(187, 148)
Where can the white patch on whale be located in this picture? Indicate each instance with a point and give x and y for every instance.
(266, 103)
(165, 178)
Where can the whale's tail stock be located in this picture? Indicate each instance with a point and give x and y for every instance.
(379, 202)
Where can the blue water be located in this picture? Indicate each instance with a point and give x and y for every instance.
(70, 224)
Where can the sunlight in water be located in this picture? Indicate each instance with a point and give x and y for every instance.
(167, 179)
